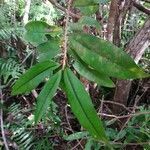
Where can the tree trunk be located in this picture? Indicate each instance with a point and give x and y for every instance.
(135, 49)
(113, 13)
(26, 11)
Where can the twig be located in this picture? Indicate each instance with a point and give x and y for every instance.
(64, 9)
(66, 36)
(2, 123)
(71, 127)
(125, 116)
(134, 108)
(119, 104)
(141, 8)
(131, 144)
(101, 105)
(135, 114)
(78, 144)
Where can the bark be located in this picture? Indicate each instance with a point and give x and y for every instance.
(26, 11)
(141, 8)
(124, 7)
(117, 13)
(113, 13)
(135, 49)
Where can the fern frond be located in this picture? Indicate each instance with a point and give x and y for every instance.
(21, 136)
(10, 69)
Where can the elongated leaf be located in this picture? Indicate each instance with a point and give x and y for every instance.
(33, 77)
(105, 57)
(82, 106)
(77, 136)
(48, 50)
(45, 96)
(93, 75)
(84, 70)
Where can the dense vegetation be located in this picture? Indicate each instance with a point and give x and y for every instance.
(74, 74)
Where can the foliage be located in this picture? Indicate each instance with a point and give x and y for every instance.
(20, 135)
(95, 54)
(23, 131)
(10, 70)
(137, 131)
(88, 56)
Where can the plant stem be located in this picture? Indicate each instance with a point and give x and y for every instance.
(66, 36)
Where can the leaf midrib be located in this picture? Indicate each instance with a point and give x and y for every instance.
(24, 83)
(82, 106)
(47, 95)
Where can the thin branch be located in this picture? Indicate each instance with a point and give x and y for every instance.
(66, 36)
(125, 116)
(130, 144)
(78, 142)
(119, 104)
(64, 9)
(2, 123)
(130, 116)
(141, 8)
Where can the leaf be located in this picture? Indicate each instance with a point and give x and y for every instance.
(87, 7)
(120, 135)
(82, 106)
(85, 2)
(92, 75)
(89, 144)
(48, 50)
(105, 57)
(85, 21)
(89, 21)
(77, 136)
(89, 10)
(36, 32)
(46, 95)
(33, 77)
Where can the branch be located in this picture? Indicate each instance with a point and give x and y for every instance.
(2, 124)
(66, 36)
(64, 9)
(125, 116)
(141, 8)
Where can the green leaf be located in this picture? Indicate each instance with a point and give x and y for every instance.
(33, 77)
(84, 70)
(36, 32)
(87, 7)
(77, 136)
(84, 21)
(120, 135)
(85, 2)
(48, 50)
(89, 21)
(46, 95)
(82, 106)
(105, 57)
(89, 10)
